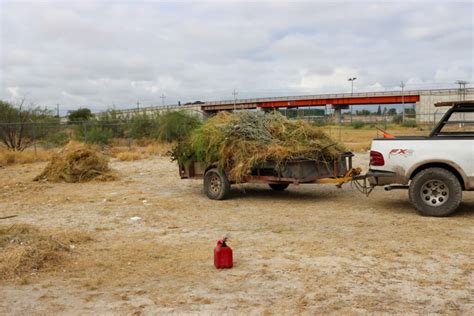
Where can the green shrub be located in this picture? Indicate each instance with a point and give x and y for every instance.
(176, 125)
(398, 119)
(143, 125)
(320, 123)
(94, 134)
(111, 120)
(57, 139)
(357, 125)
(79, 115)
(409, 123)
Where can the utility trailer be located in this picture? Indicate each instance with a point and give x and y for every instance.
(278, 176)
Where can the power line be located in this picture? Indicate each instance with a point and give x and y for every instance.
(234, 93)
(462, 89)
(162, 97)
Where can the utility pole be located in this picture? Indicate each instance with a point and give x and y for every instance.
(402, 85)
(162, 97)
(462, 89)
(234, 93)
(352, 90)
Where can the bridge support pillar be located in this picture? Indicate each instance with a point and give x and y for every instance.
(338, 113)
(265, 110)
(207, 114)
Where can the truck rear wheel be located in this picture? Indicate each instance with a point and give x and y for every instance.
(278, 186)
(435, 192)
(216, 184)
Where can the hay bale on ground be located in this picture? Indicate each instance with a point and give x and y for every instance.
(25, 249)
(77, 162)
(241, 141)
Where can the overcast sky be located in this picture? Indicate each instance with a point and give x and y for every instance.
(100, 53)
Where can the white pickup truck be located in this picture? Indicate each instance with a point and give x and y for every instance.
(436, 168)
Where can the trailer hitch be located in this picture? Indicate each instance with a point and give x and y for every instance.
(362, 185)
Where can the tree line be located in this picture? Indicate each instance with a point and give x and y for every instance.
(22, 126)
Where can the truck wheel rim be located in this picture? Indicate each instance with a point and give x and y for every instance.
(434, 193)
(215, 184)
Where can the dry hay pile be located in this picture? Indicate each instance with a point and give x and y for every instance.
(77, 162)
(241, 141)
(26, 249)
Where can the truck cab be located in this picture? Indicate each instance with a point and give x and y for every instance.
(435, 169)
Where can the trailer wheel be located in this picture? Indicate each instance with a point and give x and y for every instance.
(435, 192)
(216, 184)
(278, 186)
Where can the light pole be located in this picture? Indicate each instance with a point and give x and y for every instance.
(352, 90)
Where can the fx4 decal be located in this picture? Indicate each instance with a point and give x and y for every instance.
(401, 152)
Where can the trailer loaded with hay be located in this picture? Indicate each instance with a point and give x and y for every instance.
(256, 147)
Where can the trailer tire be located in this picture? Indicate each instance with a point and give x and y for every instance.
(216, 184)
(278, 186)
(435, 192)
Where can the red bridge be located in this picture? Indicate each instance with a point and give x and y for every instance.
(338, 101)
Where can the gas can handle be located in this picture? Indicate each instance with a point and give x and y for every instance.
(222, 242)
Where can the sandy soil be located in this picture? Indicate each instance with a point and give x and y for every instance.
(312, 248)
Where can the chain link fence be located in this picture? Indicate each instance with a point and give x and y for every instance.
(57, 133)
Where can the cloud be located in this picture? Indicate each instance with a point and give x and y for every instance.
(100, 53)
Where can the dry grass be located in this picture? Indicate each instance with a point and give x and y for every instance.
(127, 263)
(358, 146)
(27, 249)
(366, 135)
(154, 148)
(158, 149)
(28, 156)
(358, 140)
(77, 162)
(128, 156)
(119, 142)
(142, 142)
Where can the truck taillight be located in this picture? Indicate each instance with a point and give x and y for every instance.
(376, 158)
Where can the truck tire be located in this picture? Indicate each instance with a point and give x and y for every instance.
(435, 192)
(216, 184)
(278, 186)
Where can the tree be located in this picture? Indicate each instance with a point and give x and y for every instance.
(379, 111)
(363, 112)
(18, 128)
(410, 111)
(392, 112)
(80, 115)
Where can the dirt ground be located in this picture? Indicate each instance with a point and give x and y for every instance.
(310, 249)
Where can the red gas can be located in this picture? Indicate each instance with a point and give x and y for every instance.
(223, 255)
